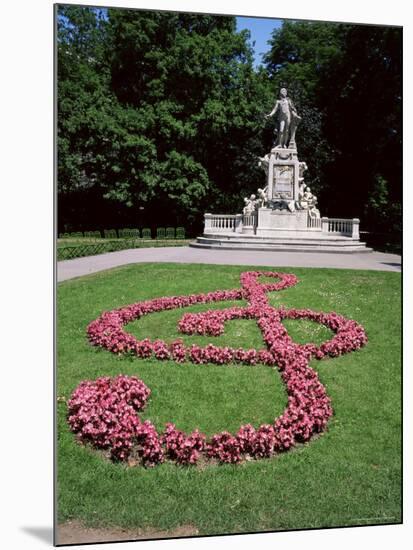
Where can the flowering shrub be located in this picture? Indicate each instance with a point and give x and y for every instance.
(225, 447)
(149, 444)
(104, 412)
(107, 331)
(182, 448)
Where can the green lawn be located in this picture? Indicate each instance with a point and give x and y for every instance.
(351, 475)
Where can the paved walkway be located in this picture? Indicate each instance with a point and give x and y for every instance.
(377, 261)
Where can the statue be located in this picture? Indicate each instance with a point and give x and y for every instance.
(307, 195)
(314, 212)
(302, 167)
(301, 190)
(288, 120)
(312, 205)
(263, 162)
(284, 169)
(307, 201)
(262, 196)
(250, 205)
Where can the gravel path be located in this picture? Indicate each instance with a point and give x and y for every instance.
(377, 261)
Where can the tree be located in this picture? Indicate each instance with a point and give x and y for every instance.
(364, 119)
(157, 110)
(346, 78)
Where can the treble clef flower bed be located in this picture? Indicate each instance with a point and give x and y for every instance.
(104, 412)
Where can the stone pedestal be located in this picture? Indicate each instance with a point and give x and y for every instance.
(280, 214)
(283, 173)
(272, 222)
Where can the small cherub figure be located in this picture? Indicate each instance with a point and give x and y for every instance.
(262, 196)
(263, 162)
(249, 204)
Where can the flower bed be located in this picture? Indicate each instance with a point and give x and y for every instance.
(104, 412)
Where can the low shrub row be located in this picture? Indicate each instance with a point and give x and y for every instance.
(145, 233)
(78, 250)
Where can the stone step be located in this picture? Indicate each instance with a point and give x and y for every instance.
(282, 242)
(233, 237)
(344, 248)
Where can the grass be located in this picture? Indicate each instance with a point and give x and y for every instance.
(351, 475)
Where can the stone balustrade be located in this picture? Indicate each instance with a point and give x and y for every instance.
(234, 223)
(313, 223)
(341, 226)
(222, 223)
(249, 220)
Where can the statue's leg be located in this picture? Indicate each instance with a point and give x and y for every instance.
(286, 127)
(276, 137)
(281, 137)
(288, 135)
(293, 128)
(294, 123)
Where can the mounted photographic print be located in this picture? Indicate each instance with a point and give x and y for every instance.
(228, 264)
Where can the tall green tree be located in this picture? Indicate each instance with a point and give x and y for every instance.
(161, 111)
(299, 57)
(84, 114)
(363, 121)
(346, 79)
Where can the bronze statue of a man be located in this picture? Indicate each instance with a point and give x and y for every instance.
(288, 119)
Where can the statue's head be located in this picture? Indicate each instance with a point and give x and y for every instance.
(283, 92)
(252, 197)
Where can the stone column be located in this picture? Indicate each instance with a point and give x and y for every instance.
(324, 225)
(207, 222)
(356, 229)
(238, 223)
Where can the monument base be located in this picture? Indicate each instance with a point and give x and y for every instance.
(283, 241)
(272, 222)
(281, 230)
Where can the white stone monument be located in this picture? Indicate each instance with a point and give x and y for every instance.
(283, 208)
(283, 215)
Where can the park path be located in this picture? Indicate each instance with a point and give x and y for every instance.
(378, 261)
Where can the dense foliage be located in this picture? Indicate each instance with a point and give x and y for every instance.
(161, 116)
(346, 81)
(158, 116)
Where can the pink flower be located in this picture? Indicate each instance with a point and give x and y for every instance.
(103, 412)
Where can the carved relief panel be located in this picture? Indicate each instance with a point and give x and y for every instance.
(283, 184)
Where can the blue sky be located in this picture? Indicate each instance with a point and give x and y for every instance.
(260, 30)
